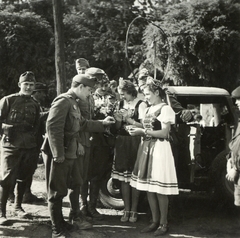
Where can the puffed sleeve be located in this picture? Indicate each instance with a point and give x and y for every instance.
(167, 115)
(142, 110)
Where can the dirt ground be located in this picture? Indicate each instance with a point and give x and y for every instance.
(194, 215)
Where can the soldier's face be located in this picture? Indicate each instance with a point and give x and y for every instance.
(26, 88)
(84, 92)
(81, 70)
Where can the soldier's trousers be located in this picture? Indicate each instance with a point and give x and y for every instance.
(16, 165)
(61, 177)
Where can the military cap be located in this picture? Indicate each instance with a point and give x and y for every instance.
(94, 71)
(97, 73)
(85, 80)
(28, 76)
(81, 62)
(40, 87)
(236, 93)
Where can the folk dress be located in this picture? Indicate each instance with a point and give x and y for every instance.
(154, 170)
(126, 146)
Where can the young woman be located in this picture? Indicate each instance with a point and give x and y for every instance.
(127, 115)
(154, 170)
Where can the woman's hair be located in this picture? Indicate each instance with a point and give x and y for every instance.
(128, 87)
(155, 85)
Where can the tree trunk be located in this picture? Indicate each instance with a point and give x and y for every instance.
(59, 46)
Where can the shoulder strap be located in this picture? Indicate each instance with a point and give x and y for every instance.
(121, 104)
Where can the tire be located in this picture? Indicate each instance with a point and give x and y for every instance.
(110, 194)
(223, 188)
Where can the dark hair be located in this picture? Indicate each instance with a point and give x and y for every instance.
(128, 87)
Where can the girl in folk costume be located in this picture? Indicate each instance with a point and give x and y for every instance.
(129, 113)
(154, 170)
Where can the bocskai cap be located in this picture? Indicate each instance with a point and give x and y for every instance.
(81, 62)
(28, 76)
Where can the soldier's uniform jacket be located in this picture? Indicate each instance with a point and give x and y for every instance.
(64, 123)
(19, 118)
(87, 111)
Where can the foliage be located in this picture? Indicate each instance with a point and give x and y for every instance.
(96, 30)
(203, 42)
(26, 43)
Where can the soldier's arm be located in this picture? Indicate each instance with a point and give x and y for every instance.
(91, 125)
(55, 126)
(4, 109)
(182, 114)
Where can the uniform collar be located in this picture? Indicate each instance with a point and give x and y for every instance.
(73, 95)
(24, 96)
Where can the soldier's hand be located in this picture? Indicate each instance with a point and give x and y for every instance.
(59, 159)
(186, 115)
(81, 150)
(108, 121)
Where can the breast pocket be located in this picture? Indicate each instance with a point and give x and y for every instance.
(16, 116)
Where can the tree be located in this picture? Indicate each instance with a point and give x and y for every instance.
(203, 43)
(59, 46)
(25, 44)
(96, 30)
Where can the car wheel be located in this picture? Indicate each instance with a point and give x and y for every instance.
(110, 194)
(223, 187)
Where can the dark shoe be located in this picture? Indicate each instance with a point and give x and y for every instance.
(61, 234)
(20, 213)
(11, 198)
(152, 227)
(161, 230)
(79, 222)
(31, 198)
(3, 220)
(84, 210)
(67, 226)
(94, 213)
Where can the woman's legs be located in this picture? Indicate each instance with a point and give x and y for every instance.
(154, 206)
(163, 205)
(135, 198)
(126, 195)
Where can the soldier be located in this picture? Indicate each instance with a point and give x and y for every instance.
(100, 151)
(233, 165)
(81, 65)
(63, 125)
(39, 94)
(19, 118)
